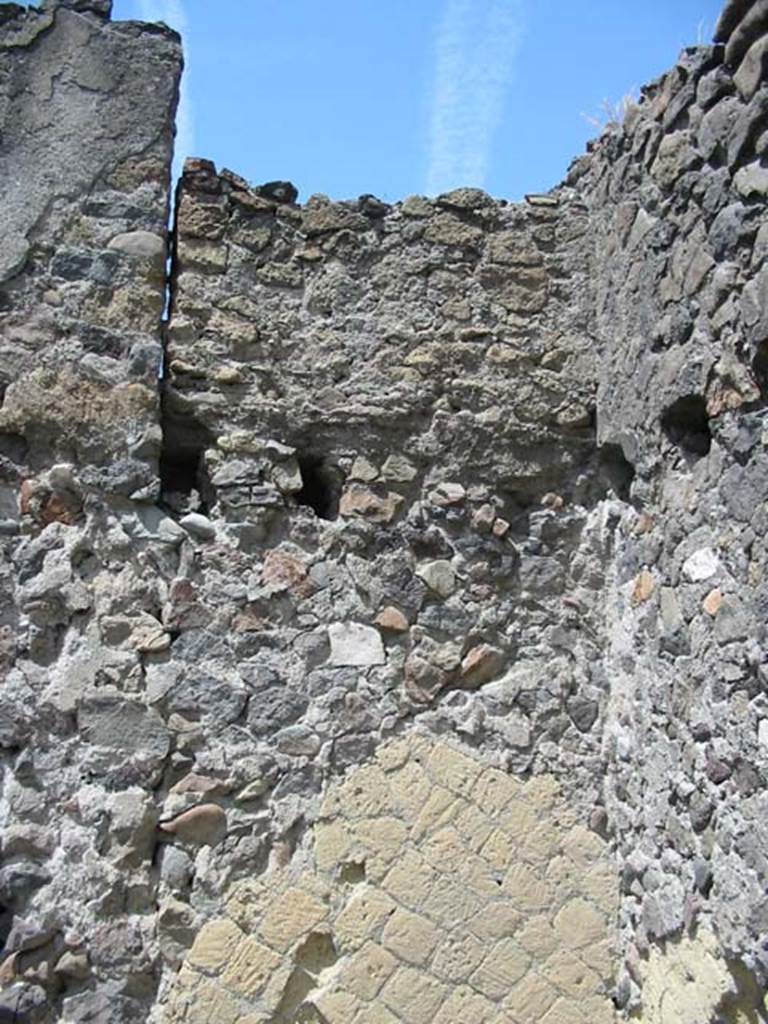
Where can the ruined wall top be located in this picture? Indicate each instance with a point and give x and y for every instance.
(383, 591)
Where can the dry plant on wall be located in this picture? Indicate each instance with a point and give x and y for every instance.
(612, 112)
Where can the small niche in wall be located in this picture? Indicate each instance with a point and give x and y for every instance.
(616, 471)
(686, 424)
(179, 472)
(322, 484)
(13, 447)
(760, 369)
(182, 467)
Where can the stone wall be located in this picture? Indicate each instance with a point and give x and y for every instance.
(86, 114)
(397, 654)
(86, 119)
(677, 202)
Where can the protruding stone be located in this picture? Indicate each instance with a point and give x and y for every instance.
(142, 245)
(447, 494)
(701, 565)
(378, 506)
(398, 469)
(392, 620)
(355, 644)
(643, 587)
(439, 577)
(363, 470)
(198, 525)
(205, 825)
(480, 665)
(14, 255)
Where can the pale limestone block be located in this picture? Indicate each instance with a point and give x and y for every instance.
(570, 974)
(356, 645)
(474, 827)
(364, 973)
(527, 889)
(411, 937)
(362, 917)
(541, 792)
(334, 1005)
(215, 945)
(382, 837)
(439, 808)
(495, 791)
(600, 885)
(537, 844)
(410, 881)
(531, 998)
(290, 917)
(496, 920)
(413, 996)
(332, 843)
(465, 1005)
(375, 1014)
(444, 851)
(212, 1003)
(410, 788)
(583, 846)
(502, 969)
(449, 902)
(457, 956)
(250, 968)
(498, 850)
(452, 769)
(579, 924)
(565, 1011)
(365, 793)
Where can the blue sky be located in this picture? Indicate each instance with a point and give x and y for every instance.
(396, 97)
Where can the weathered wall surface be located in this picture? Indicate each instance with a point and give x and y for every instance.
(86, 114)
(677, 200)
(381, 416)
(398, 654)
(86, 123)
(439, 890)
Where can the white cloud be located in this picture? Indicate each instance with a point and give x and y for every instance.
(172, 12)
(475, 48)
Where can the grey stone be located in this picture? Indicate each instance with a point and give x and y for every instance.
(439, 577)
(143, 245)
(123, 730)
(754, 65)
(355, 644)
(750, 26)
(15, 251)
(176, 868)
(584, 713)
(22, 1003)
(274, 707)
(728, 231)
(198, 525)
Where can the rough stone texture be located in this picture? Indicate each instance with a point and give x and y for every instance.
(433, 888)
(689, 981)
(86, 118)
(86, 115)
(450, 473)
(681, 261)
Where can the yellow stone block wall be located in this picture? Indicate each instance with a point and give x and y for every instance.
(437, 890)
